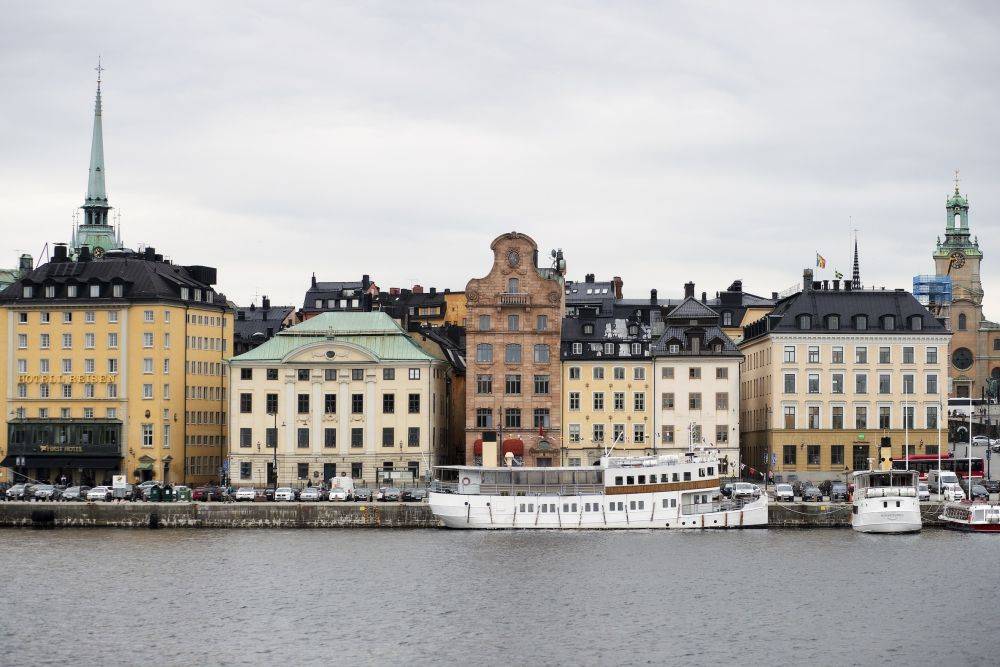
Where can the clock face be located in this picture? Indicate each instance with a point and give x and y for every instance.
(962, 358)
(98, 252)
(513, 258)
(958, 259)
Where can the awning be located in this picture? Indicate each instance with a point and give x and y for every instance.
(513, 445)
(144, 466)
(477, 447)
(86, 462)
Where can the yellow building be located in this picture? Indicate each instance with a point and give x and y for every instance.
(113, 366)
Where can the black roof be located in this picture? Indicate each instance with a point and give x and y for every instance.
(819, 304)
(142, 279)
(252, 320)
(335, 290)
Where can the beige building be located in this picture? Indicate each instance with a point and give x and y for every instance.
(834, 374)
(341, 393)
(513, 383)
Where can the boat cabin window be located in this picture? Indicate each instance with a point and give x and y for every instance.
(552, 507)
(701, 472)
(631, 505)
(642, 479)
(687, 476)
(531, 507)
(503, 477)
(536, 477)
(618, 480)
(565, 507)
(675, 477)
(565, 476)
(552, 477)
(711, 470)
(545, 508)
(489, 477)
(642, 504)
(630, 480)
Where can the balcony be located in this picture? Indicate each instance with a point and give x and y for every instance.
(515, 299)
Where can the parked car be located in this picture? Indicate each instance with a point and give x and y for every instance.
(984, 441)
(245, 493)
(284, 494)
(991, 485)
(102, 493)
(75, 493)
(391, 494)
(208, 493)
(937, 479)
(811, 493)
(745, 490)
(799, 486)
(46, 492)
(950, 491)
(413, 495)
(338, 493)
(269, 494)
(784, 493)
(726, 489)
(311, 494)
(923, 491)
(977, 492)
(18, 491)
(362, 495)
(838, 492)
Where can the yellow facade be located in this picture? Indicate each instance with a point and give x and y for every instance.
(156, 369)
(455, 308)
(601, 398)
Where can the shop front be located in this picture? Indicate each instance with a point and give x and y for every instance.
(64, 451)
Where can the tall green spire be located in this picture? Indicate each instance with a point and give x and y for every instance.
(96, 192)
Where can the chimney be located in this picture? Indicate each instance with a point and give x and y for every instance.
(826, 284)
(836, 285)
(652, 296)
(589, 278)
(807, 280)
(617, 282)
(366, 280)
(59, 252)
(688, 290)
(85, 255)
(314, 279)
(393, 291)
(265, 303)
(434, 290)
(848, 285)
(418, 289)
(703, 296)
(774, 296)
(149, 254)
(26, 264)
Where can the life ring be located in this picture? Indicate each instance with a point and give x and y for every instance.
(466, 481)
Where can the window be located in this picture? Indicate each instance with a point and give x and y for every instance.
(837, 455)
(357, 374)
(513, 285)
(789, 383)
(639, 401)
(789, 413)
(618, 400)
(541, 384)
(541, 323)
(147, 316)
(44, 341)
(618, 433)
(908, 355)
(884, 383)
(246, 403)
(89, 340)
(837, 355)
(667, 401)
(246, 373)
(908, 414)
(414, 373)
(413, 404)
(813, 381)
(694, 401)
(302, 470)
(598, 433)
(861, 322)
(861, 383)
(861, 355)
(727, 319)
(270, 437)
(303, 404)
(541, 354)
(513, 323)
(388, 373)
(246, 437)
(722, 400)
(388, 436)
(884, 416)
(540, 418)
(22, 341)
(721, 434)
(813, 354)
(574, 400)
(271, 404)
(484, 384)
(694, 373)
(67, 341)
(932, 416)
(329, 404)
(667, 373)
(147, 391)
(837, 417)
(838, 383)
(357, 404)
(598, 372)
(932, 355)
(618, 373)
(789, 354)
(574, 433)
(147, 339)
(588, 329)
(484, 418)
(833, 322)
(812, 455)
(932, 384)
(884, 355)
(788, 455)
(166, 366)
(668, 434)
(598, 400)
(512, 353)
(638, 433)
(113, 316)
(484, 322)
(67, 365)
(577, 349)
(484, 353)
(357, 438)
(147, 435)
(512, 418)
(908, 383)
(860, 417)
(302, 438)
(805, 322)
(512, 384)
(388, 404)
(813, 413)
(962, 322)
(916, 323)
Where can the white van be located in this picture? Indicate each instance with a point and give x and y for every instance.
(936, 479)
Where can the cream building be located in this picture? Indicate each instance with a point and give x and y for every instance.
(341, 393)
(832, 375)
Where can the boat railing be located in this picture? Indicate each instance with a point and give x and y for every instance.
(724, 505)
(891, 492)
(522, 489)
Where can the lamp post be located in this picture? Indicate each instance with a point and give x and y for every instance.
(275, 463)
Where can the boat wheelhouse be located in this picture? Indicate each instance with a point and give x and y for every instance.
(619, 492)
(886, 501)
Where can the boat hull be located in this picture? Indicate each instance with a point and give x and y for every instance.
(972, 527)
(478, 512)
(879, 521)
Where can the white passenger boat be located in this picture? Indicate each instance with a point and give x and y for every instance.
(886, 501)
(971, 516)
(619, 492)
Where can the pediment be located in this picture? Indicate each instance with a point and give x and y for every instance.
(331, 351)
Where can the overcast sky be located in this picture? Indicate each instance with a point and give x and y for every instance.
(662, 142)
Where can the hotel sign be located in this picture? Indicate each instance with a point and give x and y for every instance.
(67, 379)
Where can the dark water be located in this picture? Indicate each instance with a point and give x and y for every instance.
(230, 597)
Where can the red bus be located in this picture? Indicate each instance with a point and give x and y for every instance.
(923, 463)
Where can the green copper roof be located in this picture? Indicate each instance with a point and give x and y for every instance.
(96, 191)
(375, 332)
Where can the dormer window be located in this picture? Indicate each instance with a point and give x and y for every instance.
(805, 322)
(861, 322)
(185, 293)
(674, 348)
(889, 322)
(636, 349)
(916, 323)
(833, 322)
(717, 347)
(695, 345)
(71, 291)
(588, 329)
(727, 319)
(633, 330)
(319, 303)
(609, 348)
(50, 291)
(27, 291)
(118, 290)
(577, 348)
(95, 291)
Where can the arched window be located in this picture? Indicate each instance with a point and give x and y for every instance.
(962, 322)
(958, 220)
(513, 285)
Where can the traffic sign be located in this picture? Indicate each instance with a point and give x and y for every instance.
(774, 459)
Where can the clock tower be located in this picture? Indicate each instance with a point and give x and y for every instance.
(959, 258)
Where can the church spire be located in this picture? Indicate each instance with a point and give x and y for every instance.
(97, 196)
(856, 277)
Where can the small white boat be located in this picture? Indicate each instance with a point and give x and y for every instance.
(886, 501)
(621, 492)
(972, 517)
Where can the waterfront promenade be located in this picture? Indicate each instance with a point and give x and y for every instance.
(329, 515)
